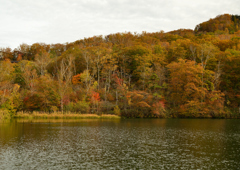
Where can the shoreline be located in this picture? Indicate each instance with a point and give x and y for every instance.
(76, 115)
(63, 116)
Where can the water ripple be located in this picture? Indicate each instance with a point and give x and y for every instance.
(127, 144)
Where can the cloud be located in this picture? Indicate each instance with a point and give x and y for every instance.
(60, 21)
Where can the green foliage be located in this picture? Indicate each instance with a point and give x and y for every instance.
(81, 107)
(8, 109)
(4, 114)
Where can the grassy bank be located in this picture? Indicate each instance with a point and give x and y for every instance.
(59, 115)
(23, 120)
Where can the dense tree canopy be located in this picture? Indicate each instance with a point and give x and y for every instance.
(182, 73)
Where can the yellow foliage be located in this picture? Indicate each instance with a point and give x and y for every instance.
(137, 97)
(143, 104)
(117, 111)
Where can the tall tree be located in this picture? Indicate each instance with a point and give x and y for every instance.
(185, 83)
(64, 78)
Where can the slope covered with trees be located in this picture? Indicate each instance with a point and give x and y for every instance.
(183, 73)
(220, 24)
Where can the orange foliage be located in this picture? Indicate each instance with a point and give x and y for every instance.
(76, 79)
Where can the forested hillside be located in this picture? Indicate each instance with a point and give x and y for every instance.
(182, 73)
(222, 23)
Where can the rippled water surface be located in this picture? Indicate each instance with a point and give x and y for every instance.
(120, 144)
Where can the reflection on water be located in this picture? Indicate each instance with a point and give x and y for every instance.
(120, 144)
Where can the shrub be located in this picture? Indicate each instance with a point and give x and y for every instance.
(106, 106)
(4, 114)
(80, 106)
(9, 108)
(54, 109)
(158, 109)
(117, 110)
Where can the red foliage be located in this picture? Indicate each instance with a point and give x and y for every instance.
(158, 109)
(95, 96)
(25, 99)
(66, 100)
(31, 84)
(118, 81)
(162, 103)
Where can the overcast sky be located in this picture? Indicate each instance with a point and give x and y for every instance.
(61, 21)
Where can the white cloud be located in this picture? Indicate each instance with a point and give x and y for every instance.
(59, 21)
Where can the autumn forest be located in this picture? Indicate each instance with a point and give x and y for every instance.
(180, 74)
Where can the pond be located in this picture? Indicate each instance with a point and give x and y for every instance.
(120, 144)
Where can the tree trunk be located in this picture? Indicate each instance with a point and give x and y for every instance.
(116, 97)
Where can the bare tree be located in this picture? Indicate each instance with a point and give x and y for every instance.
(64, 77)
(206, 51)
(41, 61)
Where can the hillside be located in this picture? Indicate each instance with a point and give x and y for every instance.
(226, 22)
(182, 73)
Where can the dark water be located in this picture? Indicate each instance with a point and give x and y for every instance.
(120, 144)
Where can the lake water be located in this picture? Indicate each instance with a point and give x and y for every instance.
(120, 144)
